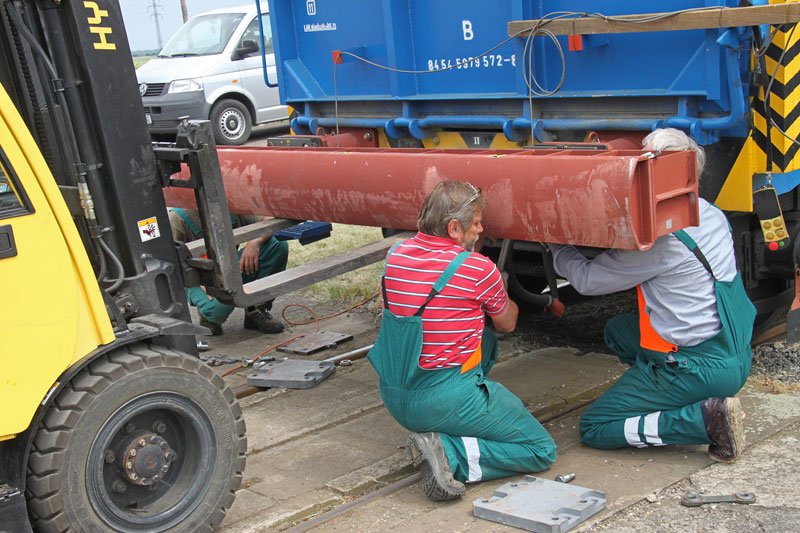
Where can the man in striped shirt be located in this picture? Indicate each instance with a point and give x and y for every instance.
(433, 352)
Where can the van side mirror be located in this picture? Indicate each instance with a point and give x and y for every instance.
(245, 48)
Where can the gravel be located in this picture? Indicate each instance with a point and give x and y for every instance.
(775, 361)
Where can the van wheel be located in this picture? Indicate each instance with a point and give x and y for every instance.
(231, 122)
(143, 439)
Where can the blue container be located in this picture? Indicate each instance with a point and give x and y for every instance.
(689, 79)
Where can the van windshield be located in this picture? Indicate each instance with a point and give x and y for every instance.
(203, 35)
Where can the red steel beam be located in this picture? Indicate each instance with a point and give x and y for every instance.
(602, 198)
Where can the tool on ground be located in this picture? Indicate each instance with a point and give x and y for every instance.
(218, 360)
(202, 346)
(695, 500)
(565, 478)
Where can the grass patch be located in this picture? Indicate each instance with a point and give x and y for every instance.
(348, 288)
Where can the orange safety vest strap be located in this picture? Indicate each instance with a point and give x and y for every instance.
(649, 339)
(473, 361)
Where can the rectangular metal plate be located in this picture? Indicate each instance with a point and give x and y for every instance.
(540, 505)
(291, 374)
(315, 342)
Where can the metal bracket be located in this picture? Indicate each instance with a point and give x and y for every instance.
(536, 504)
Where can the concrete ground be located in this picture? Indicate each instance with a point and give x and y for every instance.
(312, 451)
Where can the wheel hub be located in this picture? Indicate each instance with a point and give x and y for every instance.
(146, 459)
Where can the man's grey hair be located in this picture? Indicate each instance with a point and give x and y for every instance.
(673, 139)
(449, 200)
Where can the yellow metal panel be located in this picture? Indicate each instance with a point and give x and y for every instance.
(53, 312)
(737, 192)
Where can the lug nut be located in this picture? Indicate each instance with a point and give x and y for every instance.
(130, 428)
(109, 457)
(132, 453)
(119, 487)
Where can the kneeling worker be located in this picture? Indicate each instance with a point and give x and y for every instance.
(258, 259)
(689, 347)
(433, 353)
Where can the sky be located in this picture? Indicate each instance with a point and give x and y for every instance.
(140, 26)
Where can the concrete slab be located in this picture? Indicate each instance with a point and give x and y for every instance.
(629, 476)
(314, 450)
(336, 441)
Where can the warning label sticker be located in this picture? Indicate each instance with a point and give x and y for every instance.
(148, 229)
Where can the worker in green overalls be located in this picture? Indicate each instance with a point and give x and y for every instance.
(258, 259)
(433, 353)
(688, 349)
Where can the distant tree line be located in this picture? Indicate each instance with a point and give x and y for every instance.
(151, 52)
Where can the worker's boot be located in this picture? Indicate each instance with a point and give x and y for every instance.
(437, 478)
(724, 423)
(260, 319)
(216, 329)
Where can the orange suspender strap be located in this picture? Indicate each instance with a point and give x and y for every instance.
(473, 361)
(648, 338)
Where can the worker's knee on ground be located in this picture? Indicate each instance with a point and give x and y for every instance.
(548, 453)
(214, 311)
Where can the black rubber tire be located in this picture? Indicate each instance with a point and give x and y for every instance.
(231, 121)
(69, 482)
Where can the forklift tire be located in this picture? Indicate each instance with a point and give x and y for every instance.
(231, 122)
(144, 438)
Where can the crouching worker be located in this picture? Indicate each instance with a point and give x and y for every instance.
(433, 353)
(258, 259)
(689, 346)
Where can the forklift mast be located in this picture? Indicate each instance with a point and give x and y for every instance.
(67, 65)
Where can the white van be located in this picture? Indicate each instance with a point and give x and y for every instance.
(212, 69)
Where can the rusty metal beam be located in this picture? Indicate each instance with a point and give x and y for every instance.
(603, 198)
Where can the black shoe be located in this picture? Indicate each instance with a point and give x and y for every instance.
(437, 479)
(261, 320)
(216, 329)
(724, 423)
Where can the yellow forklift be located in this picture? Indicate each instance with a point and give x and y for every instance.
(108, 419)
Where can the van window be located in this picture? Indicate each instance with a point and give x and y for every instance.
(253, 32)
(203, 35)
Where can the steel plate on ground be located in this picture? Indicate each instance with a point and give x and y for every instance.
(540, 505)
(291, 374)
(315, 342)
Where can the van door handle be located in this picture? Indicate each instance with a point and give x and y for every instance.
(8, 247)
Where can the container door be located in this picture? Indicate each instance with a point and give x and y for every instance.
(266, 99)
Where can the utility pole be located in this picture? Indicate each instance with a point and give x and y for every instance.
(155, 13)
(184, 11)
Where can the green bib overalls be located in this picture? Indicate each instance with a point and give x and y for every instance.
(657, 401)
(272, 258)
(486, 431)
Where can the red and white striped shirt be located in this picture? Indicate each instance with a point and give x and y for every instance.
(452, 323)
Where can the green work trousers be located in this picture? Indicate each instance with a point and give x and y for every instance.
(486, 430)
(655, 403)
(272, 258)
